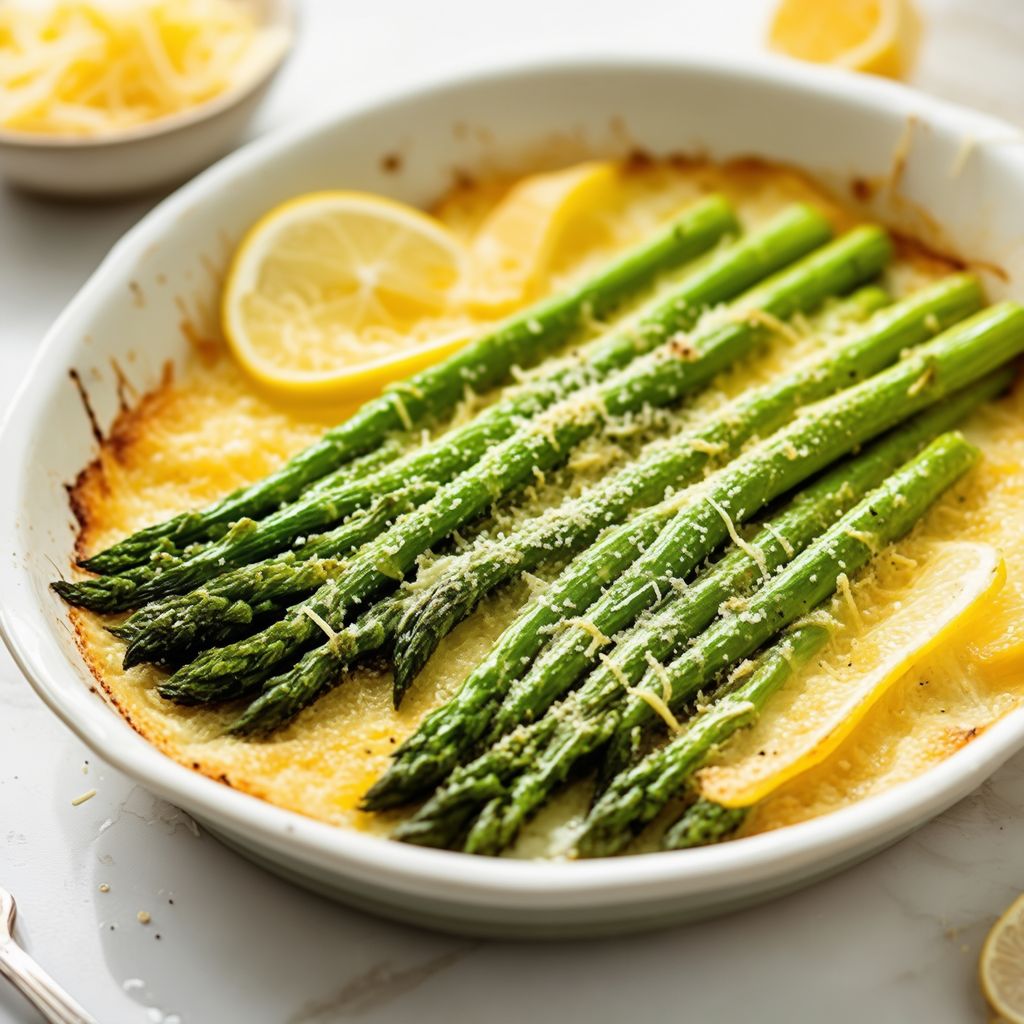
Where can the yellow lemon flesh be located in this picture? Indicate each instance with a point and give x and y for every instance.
(810, 718)
(515, 244)
(340, 292)
(1001, 967)
(877, 36)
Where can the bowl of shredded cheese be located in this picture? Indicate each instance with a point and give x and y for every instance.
(106, 97)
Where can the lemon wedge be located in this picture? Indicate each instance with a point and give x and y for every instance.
(877, 36)
(824, 704)
(1001, 967)
(514, 245)
(331, 292)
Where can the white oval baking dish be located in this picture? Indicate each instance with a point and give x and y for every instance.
(965, 170)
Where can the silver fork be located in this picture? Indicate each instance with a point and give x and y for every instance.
(55, 1005)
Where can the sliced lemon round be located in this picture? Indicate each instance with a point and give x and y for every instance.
(826, 702)
(514, 245)
(1001, 967)
(341, 292)
(877, 36)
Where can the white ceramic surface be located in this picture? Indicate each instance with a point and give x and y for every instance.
(835, 125)
(155, 155)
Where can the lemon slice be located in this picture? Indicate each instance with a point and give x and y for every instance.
(515, 244)
(877, 36)
(825, 703)
(998, 643)
(1001, 967)
(332, 292)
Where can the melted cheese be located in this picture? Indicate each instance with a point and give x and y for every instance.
(193, 440)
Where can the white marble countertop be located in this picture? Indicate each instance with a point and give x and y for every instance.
(893, 940)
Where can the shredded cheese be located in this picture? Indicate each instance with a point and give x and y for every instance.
(846, 592)
(967, 146)
(783, 543)
(869, 540)
(763, 318)
(707, 447)
(320, 621)
(921, 383)
(598, 638)
(87, 69)
(755, 553)
(403, 413)
(659, 670)
(656, 703)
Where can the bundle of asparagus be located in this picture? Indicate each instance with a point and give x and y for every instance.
(272, 592)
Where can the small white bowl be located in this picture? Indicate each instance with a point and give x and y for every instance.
(154, 155)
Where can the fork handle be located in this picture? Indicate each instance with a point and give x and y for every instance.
(52, 1002)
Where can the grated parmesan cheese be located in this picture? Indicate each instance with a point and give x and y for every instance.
(656, 703)
(598, 638)
(846, 592)
(320, 621)
(76, 68)
(745, 546)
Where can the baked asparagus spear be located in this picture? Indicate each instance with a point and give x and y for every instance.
(160, 627)
(703, 823)
(177, 627)
(955, 359)
(660, 378)
(520, 772)
(820, 435)
(636, 795)
(786, 237)
(282, 699)
(435, 392)
(577, 523)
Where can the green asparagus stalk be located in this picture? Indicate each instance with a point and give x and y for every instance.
(788, 236)
(165, 626)
(435, 392)
(635, 796)
(816, 438)
(282, 700)
(451, 733)
(358, 468)
(168, 631)
(520, 772)
(111, 593)
(736, 708)
(703, 824)
(577, 522)
(685, 455)
(658, 379)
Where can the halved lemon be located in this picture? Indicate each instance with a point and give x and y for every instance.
(1001, 967)
(877, 36)
(515, 244)
(343, 291)
(826, 702)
